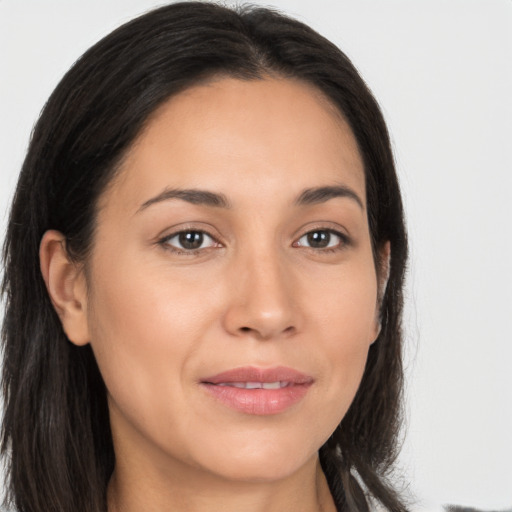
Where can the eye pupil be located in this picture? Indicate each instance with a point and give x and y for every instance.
(191, 239)
(319, 239)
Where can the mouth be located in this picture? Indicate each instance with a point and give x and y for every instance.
(258, 391)
(255, 385)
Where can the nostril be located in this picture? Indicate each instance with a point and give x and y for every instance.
(261, 333)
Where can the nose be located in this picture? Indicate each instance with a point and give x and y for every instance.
(262, 305)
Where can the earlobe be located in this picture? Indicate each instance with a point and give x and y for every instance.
(66, 286)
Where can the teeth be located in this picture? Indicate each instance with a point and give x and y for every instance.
(255, 385)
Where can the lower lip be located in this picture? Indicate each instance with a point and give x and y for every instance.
(259, 402)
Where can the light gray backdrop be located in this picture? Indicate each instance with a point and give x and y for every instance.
(442, 73)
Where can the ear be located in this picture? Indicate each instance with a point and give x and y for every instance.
(65, 282)
(384, 263)
(383, 271)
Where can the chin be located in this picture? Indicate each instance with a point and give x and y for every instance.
(262, 461)
(260, 472)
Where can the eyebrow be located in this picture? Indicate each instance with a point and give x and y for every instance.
(319, 195)
(194, 196)
(310, 196)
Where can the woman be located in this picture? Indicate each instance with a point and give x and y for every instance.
(204, 269)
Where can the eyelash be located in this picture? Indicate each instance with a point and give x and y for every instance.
(344, 241)
(164, 242)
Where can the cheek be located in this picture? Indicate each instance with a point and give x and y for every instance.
(344, 314)
(145, 328)
(140, 306)
(344, 306)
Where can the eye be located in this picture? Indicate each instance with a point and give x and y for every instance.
(190, 240)
(322, 239)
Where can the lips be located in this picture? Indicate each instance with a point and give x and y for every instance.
(256, 385)
(258, 391)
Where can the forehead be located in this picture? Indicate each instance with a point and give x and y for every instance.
(269, 134)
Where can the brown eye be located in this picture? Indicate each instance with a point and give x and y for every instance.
(190, 240)
(322, 239)
(318, 239)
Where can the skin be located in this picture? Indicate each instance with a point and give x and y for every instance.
(160, 318)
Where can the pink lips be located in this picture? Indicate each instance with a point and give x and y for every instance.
(259, 391)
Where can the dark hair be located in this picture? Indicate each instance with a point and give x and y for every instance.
(56, 434)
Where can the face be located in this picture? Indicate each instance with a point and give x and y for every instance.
(232, 290)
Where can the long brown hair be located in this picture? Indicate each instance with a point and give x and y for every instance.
(56, 436)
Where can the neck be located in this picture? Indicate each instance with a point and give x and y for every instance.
(189, 491)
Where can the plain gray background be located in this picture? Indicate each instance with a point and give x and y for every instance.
(442, 73)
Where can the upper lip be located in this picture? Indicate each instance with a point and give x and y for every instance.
(255, 374)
